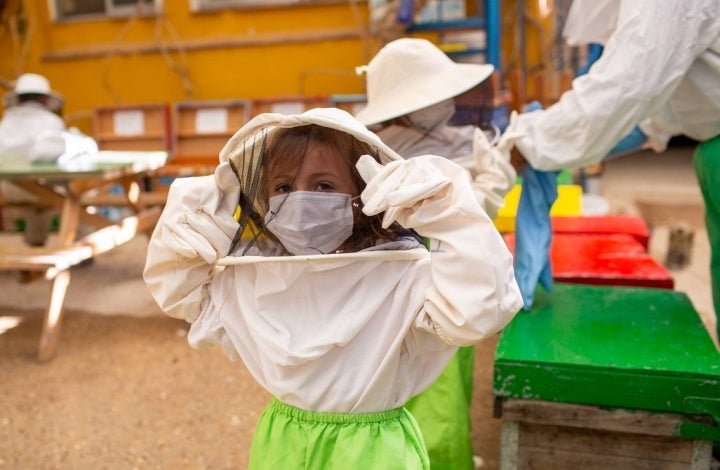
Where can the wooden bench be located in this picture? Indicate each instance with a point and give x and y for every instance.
(100, 198)
(64, 189)
(54, 264)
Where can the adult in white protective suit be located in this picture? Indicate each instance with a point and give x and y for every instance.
(333, 304)
(658, 76)
(411, 85)
(31, 129)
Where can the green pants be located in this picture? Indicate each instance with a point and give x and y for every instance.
(707, 167)
(289, 438)
(443, 413)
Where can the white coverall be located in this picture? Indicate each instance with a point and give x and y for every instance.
(20, 127)
(349, 333)
(660, 68)
(30, 131)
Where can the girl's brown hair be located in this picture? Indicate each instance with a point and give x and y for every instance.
(288, 146)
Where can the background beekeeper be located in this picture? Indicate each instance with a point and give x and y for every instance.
(329, 298)
(410, 87)
(31, 128)
(658, 76)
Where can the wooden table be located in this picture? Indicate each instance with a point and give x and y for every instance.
(68, 190)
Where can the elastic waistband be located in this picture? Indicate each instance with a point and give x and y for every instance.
(325, 417)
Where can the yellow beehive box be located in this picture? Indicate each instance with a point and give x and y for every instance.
(568, 203)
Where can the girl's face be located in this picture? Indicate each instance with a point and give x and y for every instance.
(320, 170)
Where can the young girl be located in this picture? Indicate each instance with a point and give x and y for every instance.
(328, 295)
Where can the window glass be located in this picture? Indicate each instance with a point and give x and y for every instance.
(71, 9)
(200, 5)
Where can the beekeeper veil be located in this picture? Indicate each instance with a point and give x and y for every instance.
(247, 154)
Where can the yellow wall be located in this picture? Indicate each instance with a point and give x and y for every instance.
(310, 50)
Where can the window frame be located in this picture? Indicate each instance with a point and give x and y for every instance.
(111, 11)
(204, 6)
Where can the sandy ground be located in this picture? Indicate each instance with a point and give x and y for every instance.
(126, 391)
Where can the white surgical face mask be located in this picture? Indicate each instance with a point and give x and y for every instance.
(310, 223)
(433, 116)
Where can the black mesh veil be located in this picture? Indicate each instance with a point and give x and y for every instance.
(247, 167)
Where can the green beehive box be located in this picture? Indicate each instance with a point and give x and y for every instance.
(619, 347)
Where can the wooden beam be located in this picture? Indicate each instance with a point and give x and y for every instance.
(104, 50)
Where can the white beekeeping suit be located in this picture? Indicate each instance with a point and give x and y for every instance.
(31, 129)
(352, 332)
(591, 21)
(410, 87)
(31, 112)
(659, 68)
(31, 126)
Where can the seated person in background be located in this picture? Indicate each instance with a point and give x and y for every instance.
(334, 304)
(31, 128)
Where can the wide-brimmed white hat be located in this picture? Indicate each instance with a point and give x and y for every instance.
(409, 74)
(33, 83)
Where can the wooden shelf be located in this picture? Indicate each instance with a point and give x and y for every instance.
(147, 136)
(202, 128)
(132, 127)
(288, 104)
(192, 135)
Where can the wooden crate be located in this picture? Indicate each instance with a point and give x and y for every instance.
(544, 435)
(604, 225)
(133, 127)
(568, 204)
(607, 377)
(610, 259)
(202, 128)
(353, 104)
(288, 104)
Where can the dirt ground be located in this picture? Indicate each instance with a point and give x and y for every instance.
(125, 391)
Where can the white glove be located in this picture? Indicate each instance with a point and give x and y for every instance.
(508, 138)
(473, 293)
(80, 151)
(413, 192)
(495, 175)
(199, 214)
